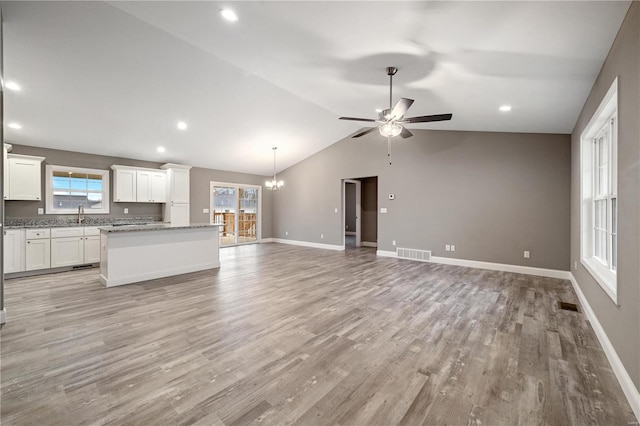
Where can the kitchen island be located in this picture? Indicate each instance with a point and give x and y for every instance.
(134, 253)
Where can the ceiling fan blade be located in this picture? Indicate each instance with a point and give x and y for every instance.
(405, 133)
(401, 108)
(427, 118)
(364, 132)
(357, 119)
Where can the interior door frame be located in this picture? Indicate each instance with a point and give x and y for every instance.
(358, 210)
(213, 184)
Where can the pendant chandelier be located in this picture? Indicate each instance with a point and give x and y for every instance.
(274, 184)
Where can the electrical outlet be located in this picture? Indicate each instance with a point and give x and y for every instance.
(575, 265)
(447, 247)
(527, 254)
(126, 210)
(383, 209)
(286, 232)
(453, 248)
(393, 242)
(205, 210)
(335, 210)
(321, 236)
(40, 210)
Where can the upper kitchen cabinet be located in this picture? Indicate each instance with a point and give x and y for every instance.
(139, 185)
(178, 186)
(23, 177)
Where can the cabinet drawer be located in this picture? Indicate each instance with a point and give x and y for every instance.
(91, 230)
(38, 234)
(66, 232)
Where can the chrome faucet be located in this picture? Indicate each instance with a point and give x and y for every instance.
(80, 214)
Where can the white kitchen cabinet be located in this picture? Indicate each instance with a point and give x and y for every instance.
(92, 249)
(176, 209)
(14, 251)
(5, 150)
(67, 251)
(124, 184)
(151, 186)
(38, 254)
(23, 178)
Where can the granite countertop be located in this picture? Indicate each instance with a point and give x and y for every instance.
(154, 227)
(30, 223)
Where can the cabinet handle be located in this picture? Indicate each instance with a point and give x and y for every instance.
(28, 242)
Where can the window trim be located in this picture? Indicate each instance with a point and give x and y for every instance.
(603, 116)
(106, 199)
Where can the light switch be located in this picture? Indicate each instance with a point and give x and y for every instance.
(335, 210)
(126, 210)
(205, 210)
(383, 209)
(527, 254)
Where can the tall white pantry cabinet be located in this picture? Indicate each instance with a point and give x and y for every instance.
(176, 209)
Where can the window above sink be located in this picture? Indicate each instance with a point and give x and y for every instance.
(68, 188)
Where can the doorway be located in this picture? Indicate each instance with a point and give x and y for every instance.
(237, 208)
(360, 212)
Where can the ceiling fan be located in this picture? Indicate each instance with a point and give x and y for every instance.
(391, 121)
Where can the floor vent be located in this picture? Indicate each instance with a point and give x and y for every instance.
(88, 266)
(413, 254)
(568, 306)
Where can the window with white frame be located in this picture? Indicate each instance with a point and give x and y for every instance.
(68, 188)
(599, 206)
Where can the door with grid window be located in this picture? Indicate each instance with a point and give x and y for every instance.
(236, 208)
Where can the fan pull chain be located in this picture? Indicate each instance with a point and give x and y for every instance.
(389, 149)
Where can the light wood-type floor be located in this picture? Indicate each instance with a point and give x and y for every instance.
(284, 334)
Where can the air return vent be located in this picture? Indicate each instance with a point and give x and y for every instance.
(413, 254)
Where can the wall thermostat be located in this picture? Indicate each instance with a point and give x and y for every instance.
(392, 197)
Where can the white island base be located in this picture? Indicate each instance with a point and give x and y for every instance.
(140, 253)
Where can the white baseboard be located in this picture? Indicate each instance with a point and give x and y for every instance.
(518, 269)
(349, 233)
(629, 389)
(308, 244)
(368, 244)
(266, 240)
(3, 316)
(529, 270)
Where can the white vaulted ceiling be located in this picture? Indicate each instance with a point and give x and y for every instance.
(115, 78)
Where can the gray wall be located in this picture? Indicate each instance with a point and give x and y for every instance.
(350, 207)
(621, 323)
(199, 177)
(200, 193)
(369, 221)
(493, 195)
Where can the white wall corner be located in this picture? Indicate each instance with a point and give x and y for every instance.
(629, 389)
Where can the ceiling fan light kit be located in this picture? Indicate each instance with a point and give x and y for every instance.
(274, 184)
(391, 121)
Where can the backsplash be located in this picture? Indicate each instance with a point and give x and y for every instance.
(60, 221)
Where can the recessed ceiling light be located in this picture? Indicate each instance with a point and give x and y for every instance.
(505, 108)
(15, 126)
(12, 85)
(182, 125)
(229, 15)
(160, 149)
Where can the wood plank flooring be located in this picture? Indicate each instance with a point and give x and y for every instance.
(291, 335)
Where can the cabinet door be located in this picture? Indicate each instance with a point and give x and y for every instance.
(158, 187)
(14, 250)
(179, 214)
(24, 179)
(6, 172)
(125, 185)
(38, 254)
(92, 249)
(180, 186)
(143, 186)
(67, 251)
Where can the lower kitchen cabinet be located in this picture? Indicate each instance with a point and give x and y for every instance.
(67, 251)
(14, 251)
(92, 249)
(38, 254)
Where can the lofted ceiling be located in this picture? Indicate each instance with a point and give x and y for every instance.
(114, 78)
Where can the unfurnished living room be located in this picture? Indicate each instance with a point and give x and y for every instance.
(320, 213)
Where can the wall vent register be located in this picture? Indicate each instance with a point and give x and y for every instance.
(414, 254)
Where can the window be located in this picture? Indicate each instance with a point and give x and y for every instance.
(71, 187)
(599, 207)
(237, 208)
